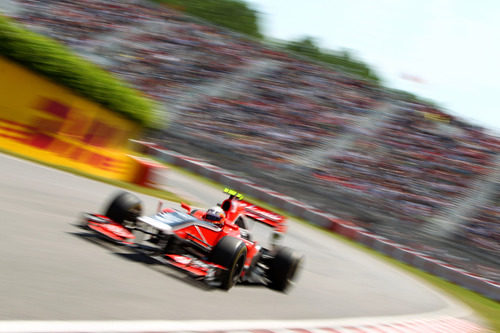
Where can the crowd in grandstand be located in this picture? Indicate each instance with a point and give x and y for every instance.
(77, 22)
(283, 112)
(411, 165)
(483, 228)
(415, 163)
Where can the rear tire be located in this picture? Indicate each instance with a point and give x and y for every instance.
(125, 206)
(283, 268)
(229, 252)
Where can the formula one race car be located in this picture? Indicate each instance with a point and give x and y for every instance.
(213, 245)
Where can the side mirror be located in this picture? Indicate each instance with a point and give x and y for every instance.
(186, 207)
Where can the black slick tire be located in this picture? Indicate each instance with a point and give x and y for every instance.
(283, 268)
(124, 206)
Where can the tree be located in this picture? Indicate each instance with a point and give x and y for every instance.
(307, 46)
(232, 14)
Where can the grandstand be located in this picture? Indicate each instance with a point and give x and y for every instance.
(482, 229)
(403, 169)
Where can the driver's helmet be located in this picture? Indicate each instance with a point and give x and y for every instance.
(215, 215)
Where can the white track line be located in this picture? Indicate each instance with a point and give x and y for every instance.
(195, 325)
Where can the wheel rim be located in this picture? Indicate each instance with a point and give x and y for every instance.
(238, 268)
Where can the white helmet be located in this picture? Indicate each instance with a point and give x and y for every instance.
(215, 215)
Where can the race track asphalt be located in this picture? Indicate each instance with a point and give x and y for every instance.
(53, 270)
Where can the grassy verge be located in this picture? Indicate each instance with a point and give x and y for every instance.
(488, 309)
(128, 186)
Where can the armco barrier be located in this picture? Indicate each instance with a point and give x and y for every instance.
(381, 244)
(148, 173)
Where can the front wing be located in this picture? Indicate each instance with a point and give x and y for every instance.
(197, 268)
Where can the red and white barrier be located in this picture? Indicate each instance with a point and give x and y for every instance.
(149, 173)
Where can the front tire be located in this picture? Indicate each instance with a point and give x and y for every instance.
(229, 252)
(125, 206)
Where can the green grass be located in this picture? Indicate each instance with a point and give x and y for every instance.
(486, 308)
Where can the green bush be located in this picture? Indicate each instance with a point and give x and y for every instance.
(54, 61)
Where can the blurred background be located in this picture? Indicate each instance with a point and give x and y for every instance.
(317, 124)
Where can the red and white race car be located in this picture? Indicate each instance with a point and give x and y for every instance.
(212, 245)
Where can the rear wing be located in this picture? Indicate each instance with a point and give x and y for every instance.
(263, 215)
(255, 212)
